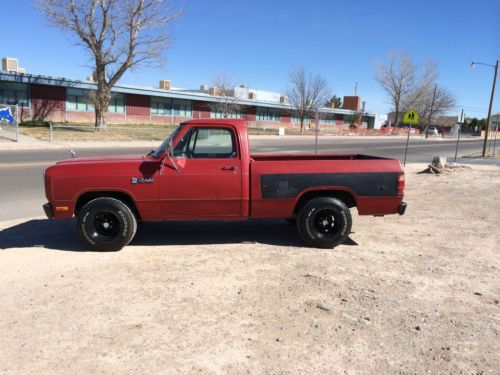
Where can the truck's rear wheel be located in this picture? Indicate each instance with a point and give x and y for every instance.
(106, 224)
(324, 222)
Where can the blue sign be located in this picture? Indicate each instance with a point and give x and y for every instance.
(5, 114)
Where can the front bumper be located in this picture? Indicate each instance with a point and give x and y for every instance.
(402, 208)
(48, 210)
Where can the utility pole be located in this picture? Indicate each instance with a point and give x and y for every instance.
(429, 118)
(473, 64)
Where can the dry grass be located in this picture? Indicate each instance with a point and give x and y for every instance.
(262, 131)
(86, 132)
(129, 132)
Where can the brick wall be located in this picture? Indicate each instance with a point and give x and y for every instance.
(351, 102)
(249, 113)
(80, 117)
(138, 105)
(47, 102)
(200, 109)
(116, 118)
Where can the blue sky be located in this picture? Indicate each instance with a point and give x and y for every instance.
(259, 42)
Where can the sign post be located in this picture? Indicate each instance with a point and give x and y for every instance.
(316, 131)
(411, 118)
(460, 122)
(496, 132)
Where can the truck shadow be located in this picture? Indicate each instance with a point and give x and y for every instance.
(62, 235)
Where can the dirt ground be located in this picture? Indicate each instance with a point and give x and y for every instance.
(412, 294)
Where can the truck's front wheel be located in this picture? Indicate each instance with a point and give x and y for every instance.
(324, 222)
(106, 224)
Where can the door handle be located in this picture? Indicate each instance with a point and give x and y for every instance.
(230, 168)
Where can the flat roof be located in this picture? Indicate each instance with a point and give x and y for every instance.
(151, 91)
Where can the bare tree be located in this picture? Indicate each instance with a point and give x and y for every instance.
(398, 78)
(306, 94)
(424, 84)
(433, 103)
(118, 34)
(411, 86)
(228, 96)
(428, 98)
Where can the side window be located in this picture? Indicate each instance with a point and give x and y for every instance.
(207, 143)
(182, 146)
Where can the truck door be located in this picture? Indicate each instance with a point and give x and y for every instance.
(207, 183)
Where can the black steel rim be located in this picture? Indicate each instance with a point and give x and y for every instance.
(106, 226)
(325, 223)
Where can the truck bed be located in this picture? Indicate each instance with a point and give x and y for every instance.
(279, 181)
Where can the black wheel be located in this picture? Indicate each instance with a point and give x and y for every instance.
(324, 222)
(106, 224)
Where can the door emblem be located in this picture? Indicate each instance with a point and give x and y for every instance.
(140, 180)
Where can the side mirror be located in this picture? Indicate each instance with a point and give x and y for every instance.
(170, 148)
(169, 151)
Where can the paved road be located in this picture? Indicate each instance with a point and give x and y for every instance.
(21, 186)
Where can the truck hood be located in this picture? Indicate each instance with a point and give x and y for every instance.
(99, 166)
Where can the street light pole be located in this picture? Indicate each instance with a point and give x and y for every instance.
(491, 103)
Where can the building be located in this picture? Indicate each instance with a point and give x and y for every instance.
(10, 64)
(65, 100)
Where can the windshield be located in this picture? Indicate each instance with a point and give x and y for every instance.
(156, 153)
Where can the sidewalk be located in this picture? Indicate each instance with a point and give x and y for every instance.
(29, 143)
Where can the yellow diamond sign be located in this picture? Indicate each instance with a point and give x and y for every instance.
(411, 117)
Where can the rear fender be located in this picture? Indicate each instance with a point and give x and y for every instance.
(346, 195)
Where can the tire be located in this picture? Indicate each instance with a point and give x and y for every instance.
(106, 224)
(324, 222)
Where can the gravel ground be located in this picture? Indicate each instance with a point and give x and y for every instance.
(412, 294)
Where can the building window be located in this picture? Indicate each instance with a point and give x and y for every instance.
(78, 100)
(14, 94)
(171, 107)
(182, 108)
(161, 106)
(117, 103)
(268, 114)
(296, 118)
(217, 113)
(327, 119)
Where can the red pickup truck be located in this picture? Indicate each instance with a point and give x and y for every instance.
(204, 171)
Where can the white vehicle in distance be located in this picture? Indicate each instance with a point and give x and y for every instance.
(432, 131)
